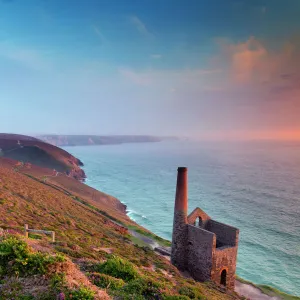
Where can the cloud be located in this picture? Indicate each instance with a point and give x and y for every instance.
(140, 26)
(28, 57)
(254, 63)
(99, 34)
(134, 77)
(261, 82)
(199, 79)
(156, 56)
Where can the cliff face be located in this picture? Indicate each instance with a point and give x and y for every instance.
(31, 150)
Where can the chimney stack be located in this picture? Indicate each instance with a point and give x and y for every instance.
(179, 236)
(181, 198)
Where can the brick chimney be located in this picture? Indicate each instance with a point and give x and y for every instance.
(179, 236)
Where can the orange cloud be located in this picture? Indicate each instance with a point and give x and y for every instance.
(253, 62)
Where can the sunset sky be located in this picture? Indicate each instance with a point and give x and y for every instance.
(215, 69)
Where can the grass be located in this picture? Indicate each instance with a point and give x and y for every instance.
(138, 242)
(35, 236)
(161, 241)
(106, 281)
(118, 268)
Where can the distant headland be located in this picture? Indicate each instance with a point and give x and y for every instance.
(31, 150)
(86, 140)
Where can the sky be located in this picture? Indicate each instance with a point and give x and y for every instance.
(205, 69)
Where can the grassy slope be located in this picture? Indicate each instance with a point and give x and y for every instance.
(82, 228)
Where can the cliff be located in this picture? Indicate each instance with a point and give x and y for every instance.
(34, 151)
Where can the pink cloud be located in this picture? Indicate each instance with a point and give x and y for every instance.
(252, 61)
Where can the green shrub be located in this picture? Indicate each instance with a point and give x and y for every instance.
(118, 268)
(142, 286)
(175, 297)
(106, 281)
(37, 263)
(82, 293)
(124, 296)
(16, 258)
(190, 292)
(58, 282)
(12, 248)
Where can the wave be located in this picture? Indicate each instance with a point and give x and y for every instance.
(132, 214)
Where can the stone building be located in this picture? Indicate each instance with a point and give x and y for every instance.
(207, 249)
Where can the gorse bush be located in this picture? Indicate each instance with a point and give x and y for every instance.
(118, 268)
(58, 282)
(145, 287)
(16, 258)
(81, 293)
(37, 263)
(106, 281)
(191, 292)
(176, 297)
(12, 248)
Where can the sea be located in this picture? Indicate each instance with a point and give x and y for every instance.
(254, 186)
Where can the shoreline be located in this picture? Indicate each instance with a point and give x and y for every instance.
(243, 287)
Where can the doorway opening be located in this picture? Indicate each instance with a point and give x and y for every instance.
(223, 277)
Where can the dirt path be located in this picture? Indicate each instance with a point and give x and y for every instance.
(148, 240)
(251, 292)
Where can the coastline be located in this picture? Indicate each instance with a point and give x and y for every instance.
(245, 288)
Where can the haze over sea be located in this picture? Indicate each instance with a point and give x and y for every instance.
(253, 186)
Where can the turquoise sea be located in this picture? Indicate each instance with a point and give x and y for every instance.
(253, 186)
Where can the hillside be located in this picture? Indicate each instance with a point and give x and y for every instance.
(31, 150)
(104, 252)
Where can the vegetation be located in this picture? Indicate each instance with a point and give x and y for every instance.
(103, 257)
(161, 241)
(81, 294)
(118, 268)
(17, 259)
(106, 281)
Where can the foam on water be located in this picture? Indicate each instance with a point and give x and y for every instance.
(255, 187)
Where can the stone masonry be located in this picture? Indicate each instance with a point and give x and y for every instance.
(207, 249)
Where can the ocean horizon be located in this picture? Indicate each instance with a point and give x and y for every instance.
(254, 186)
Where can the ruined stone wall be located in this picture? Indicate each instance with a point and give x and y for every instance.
(226, 235)
(197, 212)
(224, 259)
(200, 245)
(179, 240)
